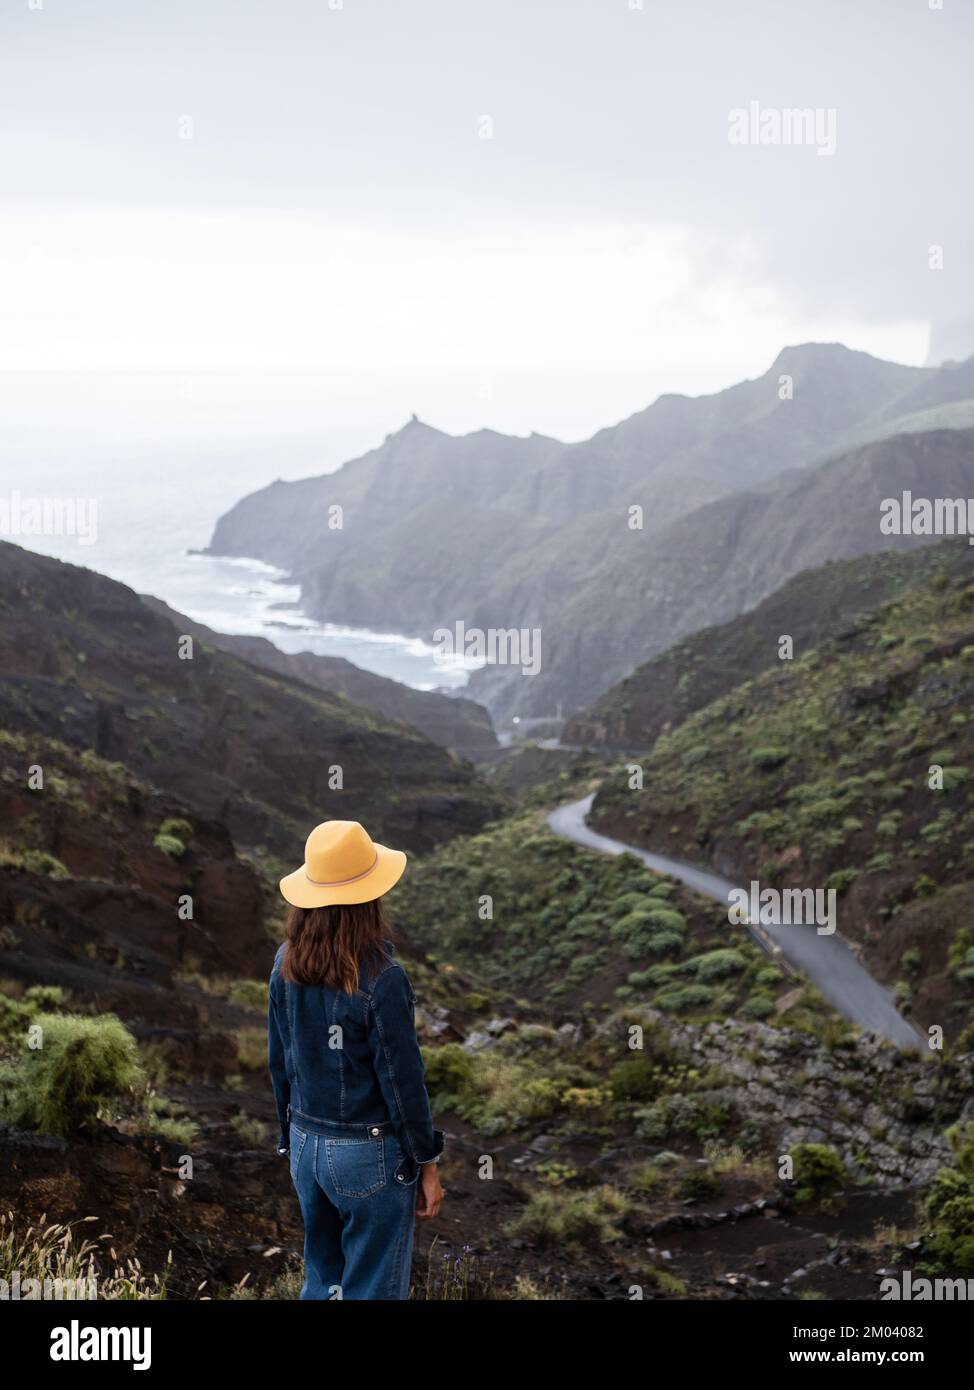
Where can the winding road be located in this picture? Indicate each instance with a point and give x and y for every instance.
(825, 960)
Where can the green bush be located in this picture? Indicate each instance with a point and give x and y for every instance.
(702, 1115)
(177, 827)
(169, 845)
(950, 1207)
(449, 1070)
(715, 965)
(767, 759)
(757, 1006)
(634, 1079)
(84, 1066)
(686, 997)
(249, 994)
(698, 1185)
(562, 1218)
(818, 1171)
(34, 861)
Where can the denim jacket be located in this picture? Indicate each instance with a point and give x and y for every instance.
(340, 1062)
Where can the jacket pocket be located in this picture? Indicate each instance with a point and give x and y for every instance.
(357, 1167)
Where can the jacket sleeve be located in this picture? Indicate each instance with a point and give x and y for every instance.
(277, 1064)
(399, 1065)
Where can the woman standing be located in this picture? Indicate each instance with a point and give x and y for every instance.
(347, 1072)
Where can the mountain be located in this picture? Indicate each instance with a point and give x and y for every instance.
(84, 660)
(501, 532)
(847, 767)
(156, 772)
(812, 607)
(451, 720)
(723, 559)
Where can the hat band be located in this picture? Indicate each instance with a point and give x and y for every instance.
(340, 882)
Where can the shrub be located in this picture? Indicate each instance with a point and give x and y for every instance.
(249, 994)
(651, 930)
(647, 1179)
(819, 1172)
(715, 965)
(34, 861)
(449, 1071)
(494, 1092)
(698, 1184)
(681, 1000)
(701, 1114)
(841, 879)
(634, 1079)
(169, 845)
(252, 1048)
(767, 759)
(950, 1207)
(757, 1006)
(178, 828)
(84, 1066)
(560, 1218)
(925, 887)
(250, 1131)
(163, 1117)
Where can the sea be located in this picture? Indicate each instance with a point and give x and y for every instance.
(156, 462)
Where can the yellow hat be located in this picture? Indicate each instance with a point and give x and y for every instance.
(342, 865)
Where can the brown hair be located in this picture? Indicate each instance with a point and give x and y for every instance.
(329, 945)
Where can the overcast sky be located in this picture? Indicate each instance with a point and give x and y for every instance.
(273, 185)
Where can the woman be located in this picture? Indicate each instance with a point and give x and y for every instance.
(347, 1072)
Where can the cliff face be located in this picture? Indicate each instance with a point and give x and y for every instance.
(86, 661)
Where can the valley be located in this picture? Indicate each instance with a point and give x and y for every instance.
(668, 1102)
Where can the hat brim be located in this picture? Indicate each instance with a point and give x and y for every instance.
(385, 873)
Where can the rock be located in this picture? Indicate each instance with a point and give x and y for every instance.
(496, 1026)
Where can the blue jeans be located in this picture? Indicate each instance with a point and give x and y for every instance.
(358, 1206)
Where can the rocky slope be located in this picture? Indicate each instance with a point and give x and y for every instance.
(451, 720)
(613, 1168)
(847, 767)
(814, 606)
(722, 560)
(85, 661)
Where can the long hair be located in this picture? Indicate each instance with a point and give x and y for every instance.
(329, 945)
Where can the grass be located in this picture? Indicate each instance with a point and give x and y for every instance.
(555, 1218)
(61, 1255)
(561, 917)
(69, 1071)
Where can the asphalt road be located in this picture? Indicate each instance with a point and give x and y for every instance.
(825, 960)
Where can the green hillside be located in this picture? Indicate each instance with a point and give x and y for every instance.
(818, 773)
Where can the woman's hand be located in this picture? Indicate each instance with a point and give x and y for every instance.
(430, 1196)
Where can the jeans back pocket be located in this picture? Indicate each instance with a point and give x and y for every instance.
(356, 1166)
(298, 1139)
